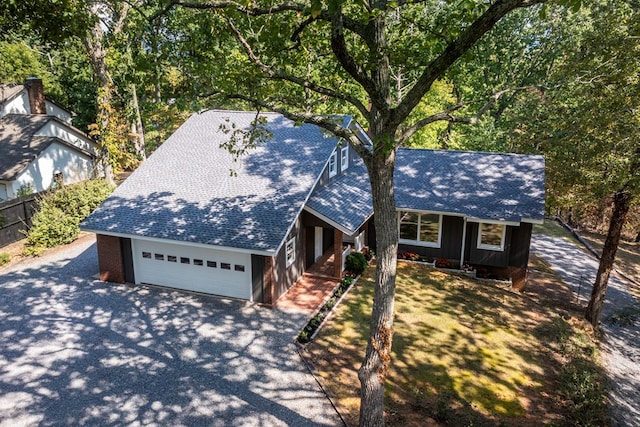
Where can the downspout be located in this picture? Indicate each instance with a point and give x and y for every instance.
(464, 239)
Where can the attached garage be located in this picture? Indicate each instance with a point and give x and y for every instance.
(198, 269)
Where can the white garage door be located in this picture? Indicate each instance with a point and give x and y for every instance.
(195, 269)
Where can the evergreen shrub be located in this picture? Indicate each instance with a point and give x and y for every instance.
(60, 213)
(355, 262)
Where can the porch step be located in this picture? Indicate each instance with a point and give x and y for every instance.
(322, 276)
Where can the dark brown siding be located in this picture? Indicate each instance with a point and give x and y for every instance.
(337, 253)
(485, 257)
(371, 234)
(127, 260)
(268, 280)
(451, 241)
(257, 277)
(309, 246)
(110, 260)
(285, 277)
(327, 239)
(520, 243)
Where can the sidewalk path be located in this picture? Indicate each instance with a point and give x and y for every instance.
(620, 323)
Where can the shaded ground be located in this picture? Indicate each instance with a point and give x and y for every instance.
(465, 352)
(627, 256)
(76, 351)
(620, 322)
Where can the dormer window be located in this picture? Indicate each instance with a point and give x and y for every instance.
(344, 158)
(333, 164)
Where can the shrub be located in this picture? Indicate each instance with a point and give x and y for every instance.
(25, 190)
(356, 262)
(4, 258)
(60, 213)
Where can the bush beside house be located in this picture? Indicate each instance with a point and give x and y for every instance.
(60, 213)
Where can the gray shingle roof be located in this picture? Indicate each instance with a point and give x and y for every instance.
(346, 200)
(490, 186)
(18, 145)
(185, 191)
(9, 91)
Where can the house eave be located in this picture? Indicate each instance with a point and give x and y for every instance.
(181, 242)
(334, 224)
(532, 221)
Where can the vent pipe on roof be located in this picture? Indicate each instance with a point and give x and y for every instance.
(35, 90)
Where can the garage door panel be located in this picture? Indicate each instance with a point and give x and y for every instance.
(196, 269)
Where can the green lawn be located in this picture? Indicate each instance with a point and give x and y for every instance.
(465, 353)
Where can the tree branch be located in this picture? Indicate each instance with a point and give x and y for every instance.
(447, 115)
(248, 10)
(329, 123)
(277, 75)
(453, 52)
(341, 52)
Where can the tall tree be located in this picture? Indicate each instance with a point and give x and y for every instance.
(308, 59)
(586, 122)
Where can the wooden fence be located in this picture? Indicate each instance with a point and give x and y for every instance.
(15, 217)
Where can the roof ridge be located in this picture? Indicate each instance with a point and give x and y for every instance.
(440, 150)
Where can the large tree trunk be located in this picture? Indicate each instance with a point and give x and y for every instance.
(139, 143)
(374, 369)
(97, 56)
(621, 204)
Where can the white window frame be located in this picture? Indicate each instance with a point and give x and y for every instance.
(290, 251)
(487, 247)
(344, 158)
(333, 164)
(420, 242)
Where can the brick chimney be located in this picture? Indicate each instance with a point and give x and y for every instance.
(36, 95)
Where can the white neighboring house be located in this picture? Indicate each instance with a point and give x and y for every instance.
(38, 142)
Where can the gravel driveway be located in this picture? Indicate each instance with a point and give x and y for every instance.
(620, 323)
(76, 351)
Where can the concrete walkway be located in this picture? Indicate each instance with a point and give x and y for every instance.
(620, 323)
(76, 351)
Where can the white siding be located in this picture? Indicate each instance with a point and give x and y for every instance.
(4, 195)
(74, 166)
(53, 128)
(162, 264)
(18, 105)
(54, 110)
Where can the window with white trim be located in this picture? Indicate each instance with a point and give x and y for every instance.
(344, 158)
(420, 228)
(333, 164)
(290, 251)
(491, 236)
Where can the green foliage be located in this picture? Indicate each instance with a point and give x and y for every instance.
(25, 190)
(5, 258)
(60, 213)
(20, 60)
(586, 123)
(53, 20)
(356, 262)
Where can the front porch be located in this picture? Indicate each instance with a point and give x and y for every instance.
(315, 286)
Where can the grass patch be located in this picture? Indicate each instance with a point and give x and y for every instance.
(464, 353)
(5, 258)
(554, 229)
